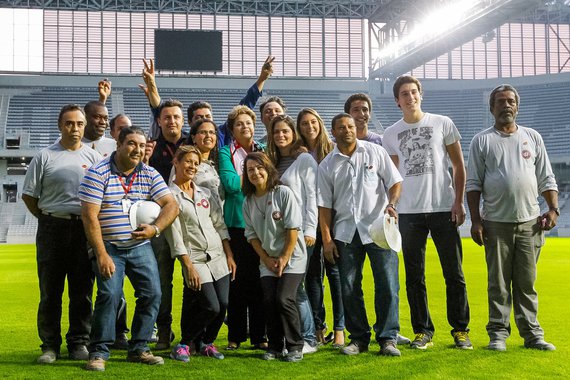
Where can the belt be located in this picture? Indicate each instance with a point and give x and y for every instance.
(62, 216)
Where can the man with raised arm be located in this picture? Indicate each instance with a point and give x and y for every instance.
(202, 109)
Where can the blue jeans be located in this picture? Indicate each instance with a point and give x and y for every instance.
(62, 252)
(305, 311)
(415, 229)
(315, 288)
(384, 264)
(139, 264)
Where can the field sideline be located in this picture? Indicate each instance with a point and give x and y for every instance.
(19, 343)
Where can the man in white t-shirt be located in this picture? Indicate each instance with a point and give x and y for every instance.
(422, 145)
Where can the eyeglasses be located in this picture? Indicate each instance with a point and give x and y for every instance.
(205, 133)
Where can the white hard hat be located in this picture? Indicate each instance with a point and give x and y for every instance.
(385, 234)
(143, 212)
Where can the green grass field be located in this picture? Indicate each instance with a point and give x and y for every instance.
(19, 343)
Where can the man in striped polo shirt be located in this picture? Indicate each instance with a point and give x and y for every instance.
(107, 191)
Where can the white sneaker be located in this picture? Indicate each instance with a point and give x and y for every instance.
(308, 349)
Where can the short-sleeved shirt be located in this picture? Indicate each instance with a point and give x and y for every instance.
(102, 186)
(104, 146)
(198, 231)
(423, 162)
(510, 170)
(373, 138)
(268, 218)
(54, 175)
(354, 187)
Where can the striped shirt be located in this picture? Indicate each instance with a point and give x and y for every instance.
(102, 186)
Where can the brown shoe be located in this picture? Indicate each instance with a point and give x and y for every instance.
(145, 357)
(95, 364)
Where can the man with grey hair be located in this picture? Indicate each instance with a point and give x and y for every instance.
(509, 167)
(50, 194)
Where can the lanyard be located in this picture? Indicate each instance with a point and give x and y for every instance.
(126, 189)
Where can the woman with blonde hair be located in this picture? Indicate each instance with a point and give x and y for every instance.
(315, 137)
(200, 239)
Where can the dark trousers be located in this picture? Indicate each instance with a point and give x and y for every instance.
(203, 311)
(282, 313)
(122, 326)
(62, 252)
(166, 271)
(315, 288)
(245, 298)
(414, 229)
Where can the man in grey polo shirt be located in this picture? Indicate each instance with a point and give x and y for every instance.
(50, 194)
(509, 167)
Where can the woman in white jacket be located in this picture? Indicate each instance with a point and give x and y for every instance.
(199, 233)
(297, 170)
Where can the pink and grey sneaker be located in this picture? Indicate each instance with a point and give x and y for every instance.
(211, 351)
(180, 352)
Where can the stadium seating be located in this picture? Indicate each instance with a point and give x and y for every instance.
(34, 111)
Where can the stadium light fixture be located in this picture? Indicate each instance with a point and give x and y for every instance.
(433, 25)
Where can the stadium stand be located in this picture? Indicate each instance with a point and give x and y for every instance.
(32, 112)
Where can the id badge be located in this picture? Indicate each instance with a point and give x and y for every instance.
(126, 203)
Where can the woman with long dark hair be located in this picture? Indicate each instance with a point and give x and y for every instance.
(274, 228)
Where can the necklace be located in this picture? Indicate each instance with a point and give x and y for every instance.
(263, 201)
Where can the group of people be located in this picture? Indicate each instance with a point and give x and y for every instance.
(255, 225)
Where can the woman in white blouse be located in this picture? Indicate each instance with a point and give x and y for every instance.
(200, 233)
(315, 137)
(298, 170)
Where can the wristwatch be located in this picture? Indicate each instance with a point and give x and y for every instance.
(393, 206)
(156, 230)
(556, 210)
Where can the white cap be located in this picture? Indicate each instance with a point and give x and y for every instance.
(385, 233)
(143, 212)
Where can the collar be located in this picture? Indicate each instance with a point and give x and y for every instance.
(359, 146)
(115, 169)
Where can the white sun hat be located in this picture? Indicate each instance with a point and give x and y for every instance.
(385, 233)
(143, 212)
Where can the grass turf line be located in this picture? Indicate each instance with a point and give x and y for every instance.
(19, 344)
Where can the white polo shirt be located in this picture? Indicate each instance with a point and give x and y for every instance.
(354, 187)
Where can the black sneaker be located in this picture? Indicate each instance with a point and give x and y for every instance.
(79, 352)
(421, 341)
(540, 344)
